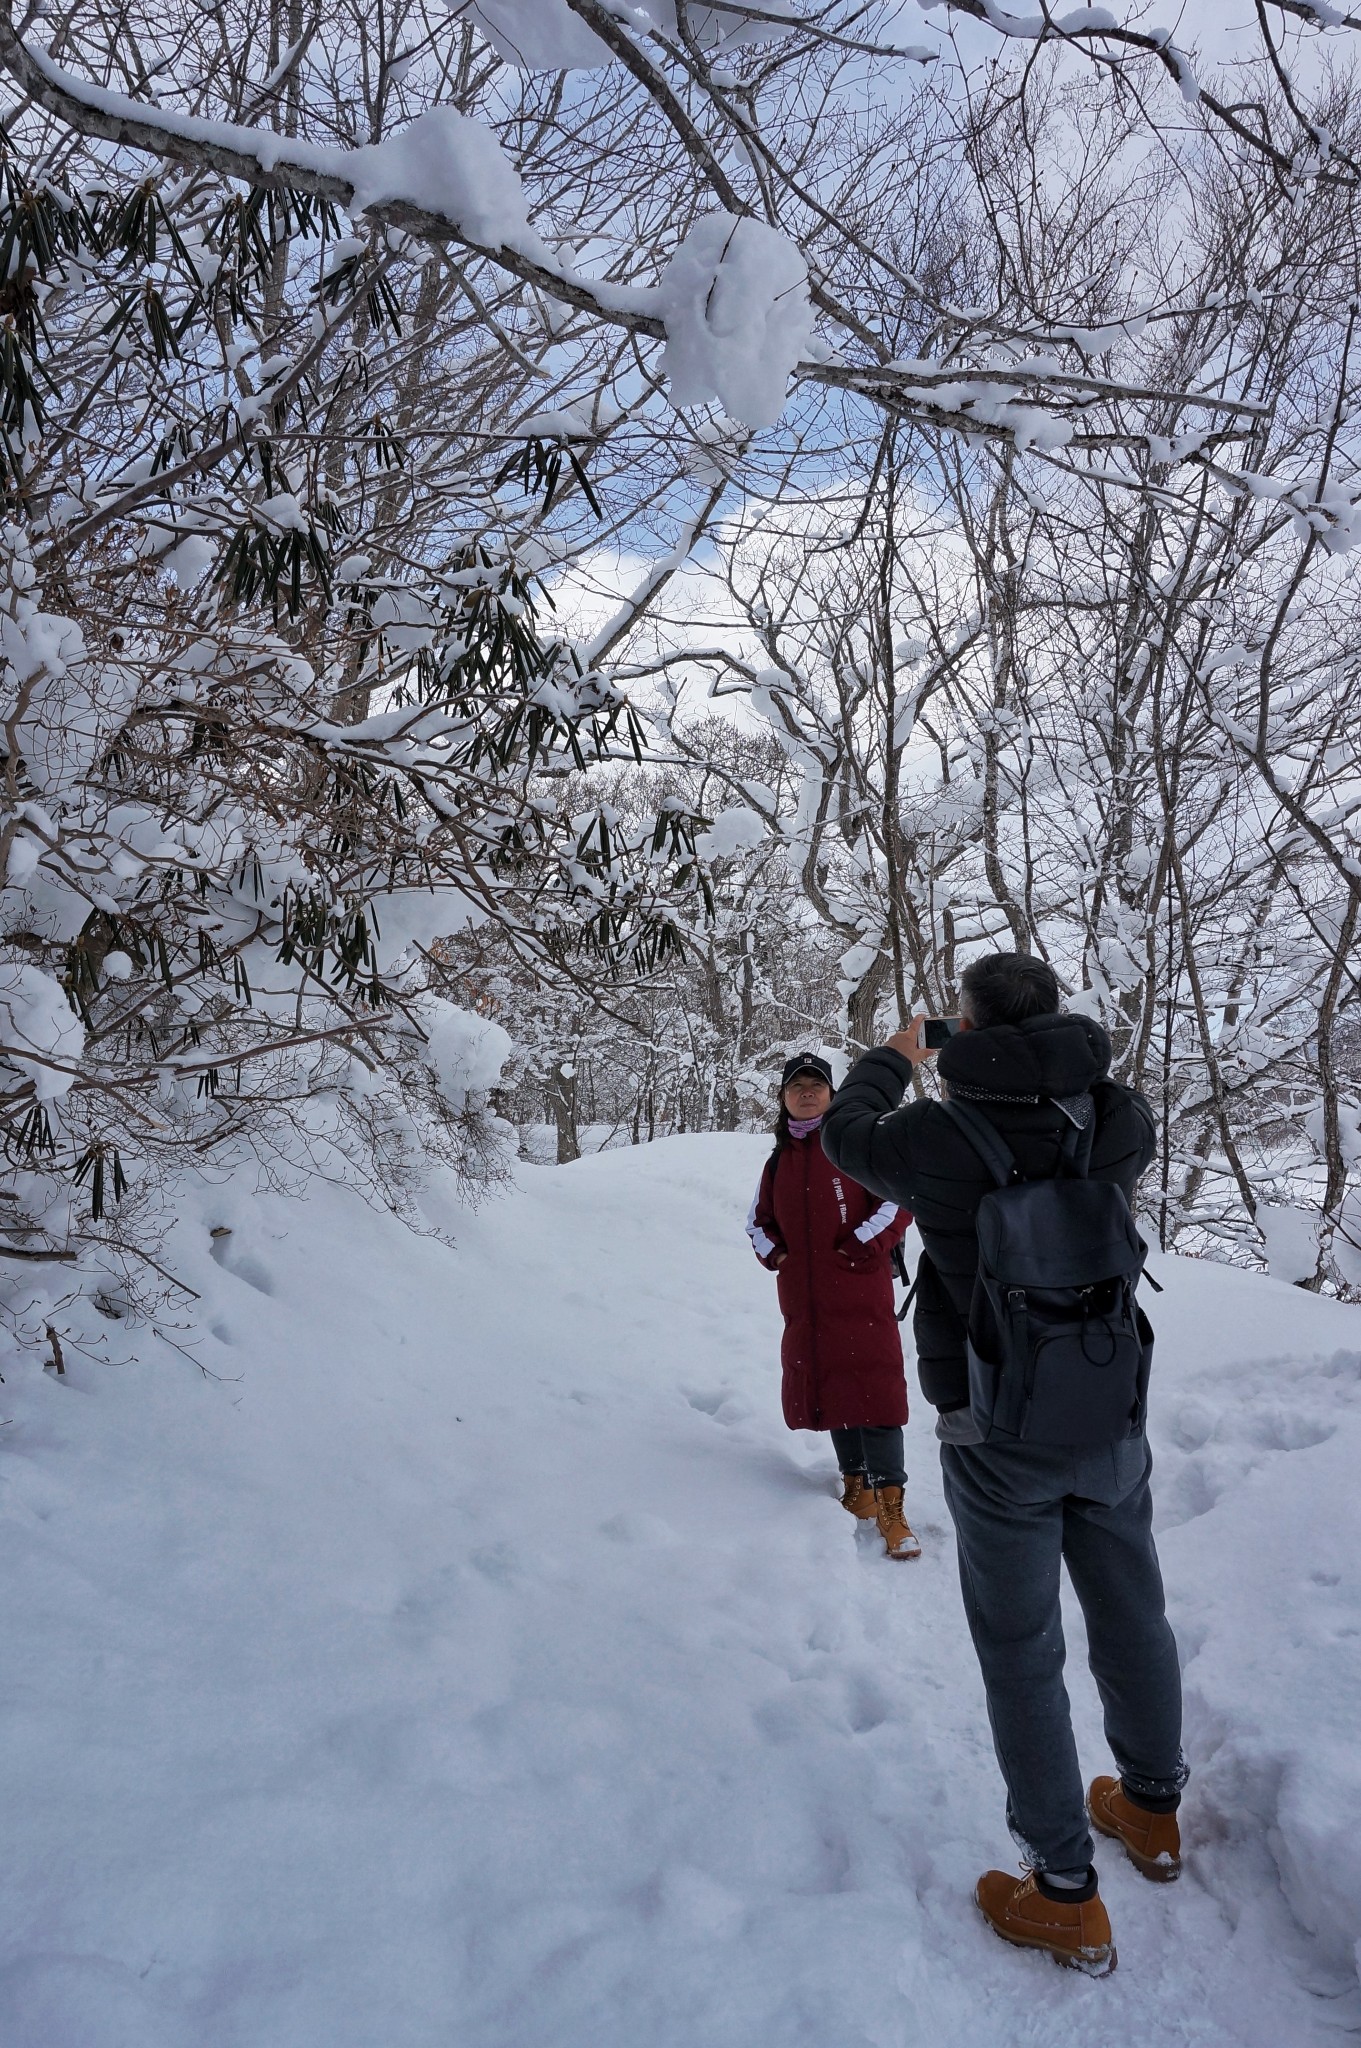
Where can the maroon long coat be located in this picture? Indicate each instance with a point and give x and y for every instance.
(842, 1357)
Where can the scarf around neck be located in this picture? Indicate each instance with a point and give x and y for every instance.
(800, 1126)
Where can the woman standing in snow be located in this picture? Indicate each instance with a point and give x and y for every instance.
(831, 1244)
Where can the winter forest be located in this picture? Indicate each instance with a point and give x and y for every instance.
(659, 538)
(559, 552)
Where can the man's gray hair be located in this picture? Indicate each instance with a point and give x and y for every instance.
(1006, 988)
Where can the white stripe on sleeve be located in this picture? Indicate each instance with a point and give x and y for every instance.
(764, 1245)
(883, 1218)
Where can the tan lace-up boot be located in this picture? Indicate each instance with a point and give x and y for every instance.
(898, 1538)
(857, 1496)
(1079, 1936)
(1152, 1841)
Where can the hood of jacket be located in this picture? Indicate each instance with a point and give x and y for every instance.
(1045, 1057)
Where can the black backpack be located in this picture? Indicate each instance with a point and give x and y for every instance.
(1059, 1350)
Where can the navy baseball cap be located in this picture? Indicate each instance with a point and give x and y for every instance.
(806, 1063)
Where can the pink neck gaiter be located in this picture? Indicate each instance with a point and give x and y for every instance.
(800, 1126)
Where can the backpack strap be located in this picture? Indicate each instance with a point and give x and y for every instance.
(985, 1138)
(1075, 1146)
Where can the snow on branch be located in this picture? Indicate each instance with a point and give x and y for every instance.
(444, 178)
(1099, 31)
(733, 304)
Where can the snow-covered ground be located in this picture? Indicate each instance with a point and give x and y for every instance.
(476, 1659)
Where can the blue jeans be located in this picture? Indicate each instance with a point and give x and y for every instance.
(1017, 1513)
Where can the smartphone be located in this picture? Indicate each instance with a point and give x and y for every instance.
(938, 1031)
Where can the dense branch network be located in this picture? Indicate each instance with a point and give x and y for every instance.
(396, 439)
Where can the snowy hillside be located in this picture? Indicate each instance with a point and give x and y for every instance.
(476, 1659)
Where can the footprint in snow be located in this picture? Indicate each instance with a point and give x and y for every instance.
(868, 1708)
(242, 1265)
(705, 1403)
(722, 1404)
(1191, 1426)
(647, 1531)
(698, 1902)
(499, 1562)
(1224, 1447)
(1189, 1494)
(1286, 1429)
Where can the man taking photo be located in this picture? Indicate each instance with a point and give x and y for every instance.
(1027, 1099)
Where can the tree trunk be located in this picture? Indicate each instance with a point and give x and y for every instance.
(562, 1101)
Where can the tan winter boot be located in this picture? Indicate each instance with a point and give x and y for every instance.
(1152, 1841)
(888, 1512)
(857, 1496)
(1079, 1937)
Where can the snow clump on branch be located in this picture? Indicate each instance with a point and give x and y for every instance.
(40, 1035)
(731, 832)
(735, 301)
(466, 1053)
(449, 165)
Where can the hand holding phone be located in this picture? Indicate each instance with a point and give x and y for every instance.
(923, 1037)
(938, 1031)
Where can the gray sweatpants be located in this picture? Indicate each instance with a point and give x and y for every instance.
(1017, 1511)
(878, 1453)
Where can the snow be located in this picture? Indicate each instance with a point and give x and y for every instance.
(38, 1027)
(858, 960)
(731, 830)
(734, 298)
(66, 706)
(24, 855)
(540, 35)
(1291, 1239)
(1179, 63)
(407, 620)
(1335, 516)
(1347, 1238)
(466, 1052)
(442, 161)
(188, 561)
(476, 1657)
(558, 423)
(283, 512)
(447, 164)
(417, 917)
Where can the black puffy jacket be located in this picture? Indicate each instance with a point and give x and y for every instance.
(917, 1155)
